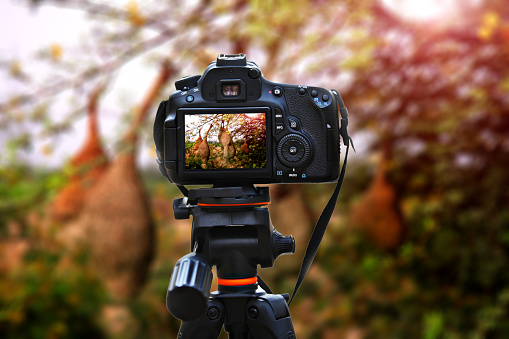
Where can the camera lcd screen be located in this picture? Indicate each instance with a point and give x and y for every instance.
(225, 141)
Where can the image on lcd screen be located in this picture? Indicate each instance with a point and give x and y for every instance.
(225, 141)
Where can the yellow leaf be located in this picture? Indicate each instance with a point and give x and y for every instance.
(134, 14)
(47, 150)
(15, 69)
(489, 24)
(56, 51)
(504, 85)
(491, 19)
(484, 33)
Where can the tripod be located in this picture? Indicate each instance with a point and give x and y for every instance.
(232, 232)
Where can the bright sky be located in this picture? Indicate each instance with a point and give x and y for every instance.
(439, 12)
(27, 30)
(24, 29)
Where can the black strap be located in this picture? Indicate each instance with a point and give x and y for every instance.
(263, 285)
(323, 221)
(183, 189)
(319, 231)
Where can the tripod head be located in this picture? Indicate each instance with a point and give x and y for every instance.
(232, 231)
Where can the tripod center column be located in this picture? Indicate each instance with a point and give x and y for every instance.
(235, 252)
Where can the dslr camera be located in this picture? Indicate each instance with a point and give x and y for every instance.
(231, 126)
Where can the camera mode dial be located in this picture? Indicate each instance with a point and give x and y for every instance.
(187, 82)
(293, 150)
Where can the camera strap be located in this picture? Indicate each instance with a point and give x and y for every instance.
(323, 221)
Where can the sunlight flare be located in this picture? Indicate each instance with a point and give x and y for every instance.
(422, 10)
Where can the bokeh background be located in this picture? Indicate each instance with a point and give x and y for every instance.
(418, 245)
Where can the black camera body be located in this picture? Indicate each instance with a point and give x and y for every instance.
(231, 126)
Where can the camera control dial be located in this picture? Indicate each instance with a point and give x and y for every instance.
(187, 82)
(293, 150)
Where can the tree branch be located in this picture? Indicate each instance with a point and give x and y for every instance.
(166, 33)
(142, 110)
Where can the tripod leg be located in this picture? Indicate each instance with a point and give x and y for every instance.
(207, 326)
(268, 317)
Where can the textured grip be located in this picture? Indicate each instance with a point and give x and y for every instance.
(313, 123)
(159, 126)
(189, 287)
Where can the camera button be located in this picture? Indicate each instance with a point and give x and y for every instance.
(294, 124)
(293, 175)
(254, 73)
(279, 173)
(302, 90)
(314, 93)
(279, 115)
(280, 127)
(325, 98)
(189, 98)
(278, 91)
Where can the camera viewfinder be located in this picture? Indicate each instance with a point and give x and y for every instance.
(230, 89)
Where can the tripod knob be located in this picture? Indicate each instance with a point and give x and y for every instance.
(282, 244)
(189, 288)
(180, 209)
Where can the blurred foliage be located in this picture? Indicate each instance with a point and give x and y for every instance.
(434, 96)
(56, 305)
(43, 285)
(23, 188)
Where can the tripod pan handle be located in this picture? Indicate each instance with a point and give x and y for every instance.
(189, 288)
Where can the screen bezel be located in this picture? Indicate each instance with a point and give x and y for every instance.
(227, 175)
